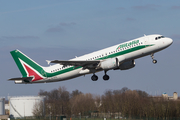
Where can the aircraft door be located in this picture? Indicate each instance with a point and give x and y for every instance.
(146, 41)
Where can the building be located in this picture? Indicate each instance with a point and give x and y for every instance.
(23, 106)
(174, 97)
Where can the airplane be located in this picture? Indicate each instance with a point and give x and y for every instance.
(117, 57)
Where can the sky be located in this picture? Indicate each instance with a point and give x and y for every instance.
(61, 29)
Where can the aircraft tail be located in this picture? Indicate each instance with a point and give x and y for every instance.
(28, 67)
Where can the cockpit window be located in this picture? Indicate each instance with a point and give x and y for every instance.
(159, 37)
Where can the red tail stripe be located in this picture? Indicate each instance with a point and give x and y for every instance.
(33, 73)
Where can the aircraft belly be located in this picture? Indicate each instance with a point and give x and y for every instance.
(69, 75)
(141, 53)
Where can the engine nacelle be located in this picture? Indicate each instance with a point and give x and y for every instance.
(127, 65)
(109, 64)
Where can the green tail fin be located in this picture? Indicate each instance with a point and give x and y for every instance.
(27, 66)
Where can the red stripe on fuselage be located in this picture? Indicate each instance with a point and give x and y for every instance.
(33, 73)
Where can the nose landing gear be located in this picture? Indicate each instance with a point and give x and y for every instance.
(152, 56)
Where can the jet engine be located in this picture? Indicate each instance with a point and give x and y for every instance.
(127, 65)
(109, 64)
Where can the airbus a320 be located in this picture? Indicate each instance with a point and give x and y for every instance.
(117, 57)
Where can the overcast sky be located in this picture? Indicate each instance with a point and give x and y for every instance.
(49, 30)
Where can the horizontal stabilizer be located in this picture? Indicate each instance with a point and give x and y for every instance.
(22, 78)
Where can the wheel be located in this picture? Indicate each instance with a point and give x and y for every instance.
(94, 78)
(106, 77)
(154, 61)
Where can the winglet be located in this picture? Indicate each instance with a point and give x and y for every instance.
(48, 62)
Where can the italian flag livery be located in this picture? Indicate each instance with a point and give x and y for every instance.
(27, 66)
(117, 57)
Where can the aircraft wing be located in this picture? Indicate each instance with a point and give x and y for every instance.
(77, 63)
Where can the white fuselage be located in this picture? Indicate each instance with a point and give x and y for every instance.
(153, 43)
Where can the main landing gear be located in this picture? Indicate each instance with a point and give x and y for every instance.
(95, 77)
(106, 77)
(152, 56)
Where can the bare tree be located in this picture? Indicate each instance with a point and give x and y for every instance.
(83, 104)
(38, 109)
(125, 102)
(75, 93)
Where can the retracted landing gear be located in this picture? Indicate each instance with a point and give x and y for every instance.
(94, 77)
(152, 56)
(106, 77)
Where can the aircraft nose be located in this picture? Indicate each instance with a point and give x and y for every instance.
(170, 41)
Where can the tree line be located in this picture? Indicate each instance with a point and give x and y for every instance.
(113, 103)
